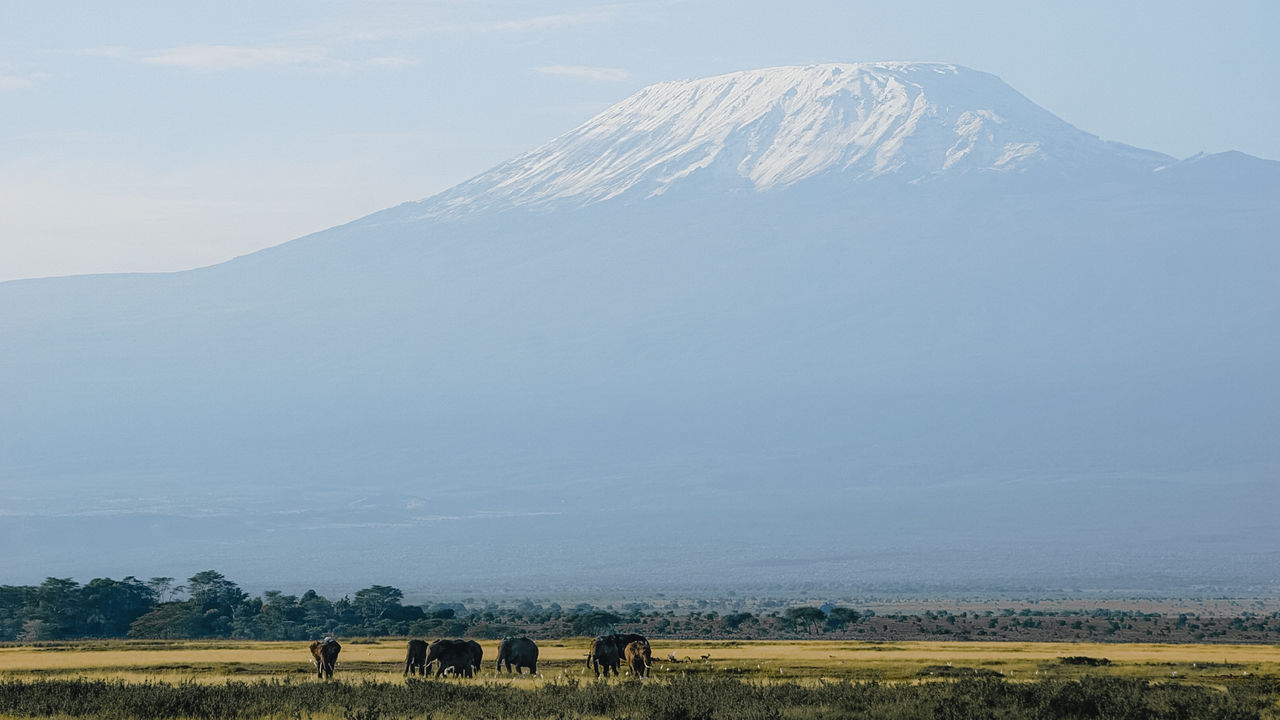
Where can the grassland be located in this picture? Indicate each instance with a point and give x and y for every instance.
(382, 660)
(1203, 680)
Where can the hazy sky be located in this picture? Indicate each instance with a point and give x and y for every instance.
(140, 136)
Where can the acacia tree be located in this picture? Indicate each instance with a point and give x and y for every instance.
(56, 612)
(841, 617)
(809, 617)
(109, 606)
(594, 622)
(164, 589)
(372, 602)
(215, 600)
(14, 599)
(170, 620)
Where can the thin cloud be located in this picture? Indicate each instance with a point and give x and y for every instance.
(582, 72)
(405, 25)
(14, 82)
(391, 61)
(234, 57)
(14, 78)
(547, 22)
(213, 58)
(112, 51)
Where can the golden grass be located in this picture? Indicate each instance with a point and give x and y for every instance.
(207, 661)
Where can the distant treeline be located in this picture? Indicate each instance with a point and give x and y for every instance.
(209, 605)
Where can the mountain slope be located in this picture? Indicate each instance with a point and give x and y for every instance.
(854, 370)
(772, 128)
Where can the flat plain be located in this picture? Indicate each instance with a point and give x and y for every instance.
(691, 680)
(383, 660)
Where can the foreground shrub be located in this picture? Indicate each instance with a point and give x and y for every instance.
(675, 699)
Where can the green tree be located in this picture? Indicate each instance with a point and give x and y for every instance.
(376, 600)
(109, 606)
(211, 590)
(841, 617)
(164, 589)
(170, 620)
(318, 616)
(57, 609)
(808, 617)
(216, 600)
(593, 622)
(14, 600)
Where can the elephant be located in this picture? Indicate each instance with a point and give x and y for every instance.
(518, 653)
(604, 654)
(622, 640)
(462, 656)
(638, 657)
(415, 662)
(477, 655)
(324, 655)
(607, 651)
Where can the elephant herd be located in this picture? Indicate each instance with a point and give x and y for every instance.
(609, 651)
(463, 657)
(459, 657)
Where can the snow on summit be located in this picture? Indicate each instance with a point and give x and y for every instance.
(770, 128)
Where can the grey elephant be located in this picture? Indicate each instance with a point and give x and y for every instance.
(637, 655)
(415, 660)
(518, 653)
(461, 656)
(324, 654)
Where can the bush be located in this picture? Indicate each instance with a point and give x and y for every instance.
(691, 698)
(1084, 660)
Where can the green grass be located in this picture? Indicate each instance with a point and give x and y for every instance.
(667, 699)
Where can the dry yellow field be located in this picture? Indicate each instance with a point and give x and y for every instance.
(216, 661)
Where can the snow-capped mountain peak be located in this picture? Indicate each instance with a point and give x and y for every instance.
(771, 128)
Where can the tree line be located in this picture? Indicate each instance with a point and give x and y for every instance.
(209, 605)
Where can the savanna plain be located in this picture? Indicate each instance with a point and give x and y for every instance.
(706, 679)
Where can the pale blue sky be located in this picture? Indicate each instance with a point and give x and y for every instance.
(164, 135)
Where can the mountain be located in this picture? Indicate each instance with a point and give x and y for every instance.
(769, 129)
(879, 325)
